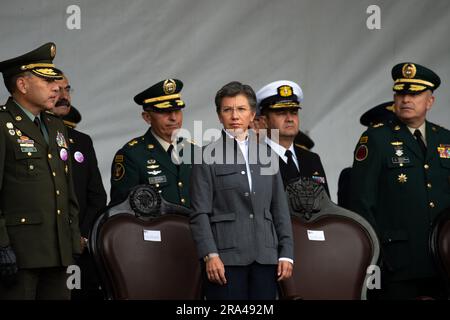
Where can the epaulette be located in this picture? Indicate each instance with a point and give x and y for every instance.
(133, 142)
(50, 113)
(378, 125)
(301, 146)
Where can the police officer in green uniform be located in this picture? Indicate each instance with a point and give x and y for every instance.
(400, 183)
(155, 158)
(39, 232)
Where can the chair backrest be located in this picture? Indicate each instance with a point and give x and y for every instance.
(142, 257)
(333, 248)
(440, 245)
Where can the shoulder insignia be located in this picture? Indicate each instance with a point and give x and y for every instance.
(119, 171)
(50, 113)
(301, 146)
(361, 153)
(118, 158)
(378, 125)
(132, 142)
(364, 139)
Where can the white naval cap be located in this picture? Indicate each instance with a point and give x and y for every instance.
(279, 94)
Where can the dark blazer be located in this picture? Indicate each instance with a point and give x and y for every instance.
(243, 226)
(400, 192)
(38, 207)
(144, 161)
(91, 194)
(311, 166)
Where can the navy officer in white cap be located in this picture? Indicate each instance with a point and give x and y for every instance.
(279, 103)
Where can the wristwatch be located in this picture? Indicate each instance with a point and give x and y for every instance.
(209, 256)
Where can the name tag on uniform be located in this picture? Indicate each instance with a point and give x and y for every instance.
(400, 160)
(158, 179)
(28, 149)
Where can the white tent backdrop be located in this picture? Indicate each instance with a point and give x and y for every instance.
(123, 47)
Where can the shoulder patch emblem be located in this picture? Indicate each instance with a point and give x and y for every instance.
(364, 139)
(361, 153)
(118, 158)
(119, 171)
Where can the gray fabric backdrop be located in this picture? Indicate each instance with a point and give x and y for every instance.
(124, 47)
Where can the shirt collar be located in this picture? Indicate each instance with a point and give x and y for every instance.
(279, 149)
(161, 141)
(28, 113)
(243, 142)
(421, 129)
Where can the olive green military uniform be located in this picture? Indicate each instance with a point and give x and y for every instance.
(400, 192)
(38, 208)
(144, 161)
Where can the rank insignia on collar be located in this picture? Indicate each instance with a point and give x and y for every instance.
(402, 178)
(396, 128)
(151, 146)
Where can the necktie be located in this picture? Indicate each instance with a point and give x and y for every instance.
(38, 124)
(291, 168)
(169, 151)
(419, 139)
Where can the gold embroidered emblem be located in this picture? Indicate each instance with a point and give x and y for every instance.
(409, 71)
(169, 86)
(285, 91)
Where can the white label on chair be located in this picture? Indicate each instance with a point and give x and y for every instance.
(314, 235)
(152, 235)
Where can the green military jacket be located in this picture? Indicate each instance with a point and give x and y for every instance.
(38, 208)
(401, 192)
(144, 161)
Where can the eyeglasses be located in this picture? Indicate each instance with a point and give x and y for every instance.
(239, 110)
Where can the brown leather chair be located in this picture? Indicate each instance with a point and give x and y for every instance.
(143, 249)
(333, 247)
(440, 246)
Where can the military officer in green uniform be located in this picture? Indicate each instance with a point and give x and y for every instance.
(39, 232)
(401, 182)
(155, 158)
